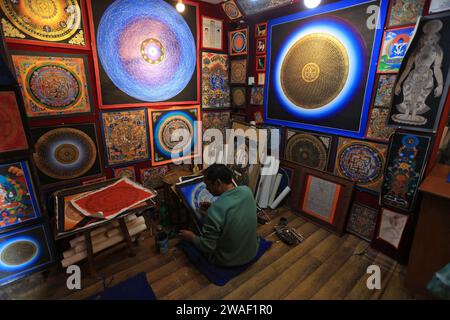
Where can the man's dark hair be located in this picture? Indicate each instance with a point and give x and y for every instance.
(219, 172)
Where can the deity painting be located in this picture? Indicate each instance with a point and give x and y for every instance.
(215, 87)
(405, 12)
(393, 49)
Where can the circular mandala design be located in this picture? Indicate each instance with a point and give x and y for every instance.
(65, 153)
(48, 20)
(54, 87)
(238, 97)
(18, 253)
(307, 150)
(361, 163)
(239, 42)
(231, 10)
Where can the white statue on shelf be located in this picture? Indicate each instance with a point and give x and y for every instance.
(424, 63)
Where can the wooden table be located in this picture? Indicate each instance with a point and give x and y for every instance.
(431, 245)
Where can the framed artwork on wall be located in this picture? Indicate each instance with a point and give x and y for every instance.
(301, 46)
(407, 157)
(25, 251)
(66, 153)
(323, 198)
(58, 23)
(219, 120)
(153, 177)
(385, 90)
(174, 134)
(239, 97)
(439, 6)
(421, 91)
(215, 84)
(308, 149)
(125, 136)
(212, 33)
(403, 12)
(238, 41)
(125, 172)
(257, 95)
(238, 72)
(145, 52)
(362, 162)
(261, 78)
(393, 49)
(18, 200)
(231, 10)
(261, 30)
(261, 46)
(377, 128)
(12, 134)
(260, 63)
(53, 84)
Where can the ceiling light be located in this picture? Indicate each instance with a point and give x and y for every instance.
(312, 3)
(180, 6)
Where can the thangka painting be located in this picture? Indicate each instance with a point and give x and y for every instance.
(18, 202)
(215, 83)
(385, 90)
(377, 128)
(145, 52)
(53, 86)
(125, 172)
(56, 23)
(153, 177)
(238, 41)
(174, 134)
(393, 49)
(423, 82)
(231, 10)
(362, 162)
(239, 97)
(24, 251)
(257, 96)
(238, 73)
(63, 153)
(392, 227)
(215, 120)
(321, 65)
(308, 149)
(404, 12)
(405, 165)
(125, 135)
(362, 221)
(12, 133)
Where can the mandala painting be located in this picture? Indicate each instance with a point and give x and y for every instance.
(145, 52)
(406, 163)
(18, 201)
(125, 172)
(393, 49)
(231, 10)
(238, 40)
(55, 22)
(153, 177)
(12, 133)
(362, 162)
(24, 251)
(65, 153)
(385, 90)
(308, 149)
(362, 221)
(377, 128)
(421, 90)
(125, 136)
(215, 87)
(321, 64)
(238, 71)
(174, 134)
(257, 96)
(239, 97)
(405, 12)
(216, 120)
(54, 85)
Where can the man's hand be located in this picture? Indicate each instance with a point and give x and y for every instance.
(187, 235)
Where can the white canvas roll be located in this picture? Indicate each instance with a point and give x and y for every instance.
(274, 187)
(280, 198)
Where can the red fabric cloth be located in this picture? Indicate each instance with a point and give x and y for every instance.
(112, 200)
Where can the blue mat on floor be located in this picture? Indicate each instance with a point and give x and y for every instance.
(218, 275)
(136, 288)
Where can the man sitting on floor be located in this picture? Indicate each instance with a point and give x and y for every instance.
(228, 236)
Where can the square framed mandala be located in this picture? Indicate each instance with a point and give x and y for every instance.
(231, 10)
(321, 65)
(174, 134)
(53, 85)
(54, 23)
(125, 136)
(238, 42)
(145, 53)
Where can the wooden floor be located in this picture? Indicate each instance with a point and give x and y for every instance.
(324, 266)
